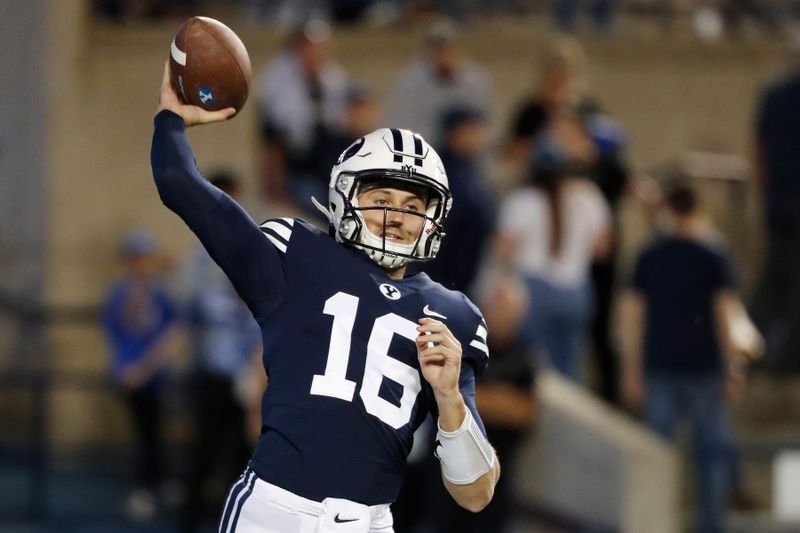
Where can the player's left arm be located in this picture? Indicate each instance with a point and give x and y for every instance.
(470, 468)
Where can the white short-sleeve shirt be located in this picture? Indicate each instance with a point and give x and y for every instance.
(525, 216)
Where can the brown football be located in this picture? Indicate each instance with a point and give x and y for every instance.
(209, 65)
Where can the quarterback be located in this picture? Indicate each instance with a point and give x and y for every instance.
(357, 354)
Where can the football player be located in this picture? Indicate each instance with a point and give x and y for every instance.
(357, 354)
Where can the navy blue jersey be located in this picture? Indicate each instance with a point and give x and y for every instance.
(345, 389)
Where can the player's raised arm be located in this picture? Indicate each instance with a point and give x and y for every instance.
(470, 468)
(231, 237)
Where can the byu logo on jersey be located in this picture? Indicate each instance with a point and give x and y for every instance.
(390, 291)
(206, 95)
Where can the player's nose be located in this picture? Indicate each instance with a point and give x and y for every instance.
(394, 218)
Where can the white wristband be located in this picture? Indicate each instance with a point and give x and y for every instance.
(465, 453)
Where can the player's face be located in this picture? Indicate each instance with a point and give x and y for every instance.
(402, 227)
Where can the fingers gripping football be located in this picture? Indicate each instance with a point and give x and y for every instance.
(439, 354)
(191, 115)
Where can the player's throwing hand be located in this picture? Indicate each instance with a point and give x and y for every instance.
(192, 115)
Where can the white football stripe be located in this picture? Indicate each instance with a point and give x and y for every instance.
(481, 346)
(278, 244)
(289, 221)
(279, 228)
(481, 333)
(177, 55)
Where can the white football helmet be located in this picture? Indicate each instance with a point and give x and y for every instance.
(392, 156)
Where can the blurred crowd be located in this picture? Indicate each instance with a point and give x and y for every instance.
(710, 19)
(537, 250)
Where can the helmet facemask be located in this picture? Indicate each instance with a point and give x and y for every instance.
(354, 230)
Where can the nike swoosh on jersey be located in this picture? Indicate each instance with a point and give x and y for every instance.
(343, 520)
(427, 311)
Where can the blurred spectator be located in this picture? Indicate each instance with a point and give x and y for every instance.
(506, 402)
(122, 10)
(140, 321)
(736, 12)
(680, 330)
(302, 95)
(361, 116)
(471, 220)
(291, 12)
(559, 83)
(609, 171)
(435, 83)
(602, 13)
(777, 304)
(226, 339)
(549, 231)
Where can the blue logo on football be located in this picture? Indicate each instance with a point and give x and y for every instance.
(206, 95)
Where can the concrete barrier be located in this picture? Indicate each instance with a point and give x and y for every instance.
(594, 465)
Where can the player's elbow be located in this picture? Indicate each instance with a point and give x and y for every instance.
(477, 499)
(476, 496)
(168, 183)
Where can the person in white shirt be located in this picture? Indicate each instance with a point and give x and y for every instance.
(442, 79)
(549, 231)
(302, 96)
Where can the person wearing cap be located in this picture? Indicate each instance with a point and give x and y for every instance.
(140, 322)
(442, 78)
(471, 222)
(302, 96)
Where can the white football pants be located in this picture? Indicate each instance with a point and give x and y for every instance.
(255, 506)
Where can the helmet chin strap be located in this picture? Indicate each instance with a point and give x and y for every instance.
(322, 209)
(382, 254)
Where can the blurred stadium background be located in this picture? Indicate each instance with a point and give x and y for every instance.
(79, 90)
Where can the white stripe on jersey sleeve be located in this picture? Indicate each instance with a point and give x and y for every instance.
(479, 341)
(481, 346)
(278, 233)
(279, 228)
(278, 244)
(481, 333)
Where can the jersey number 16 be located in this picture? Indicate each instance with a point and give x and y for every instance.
(379, 363)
